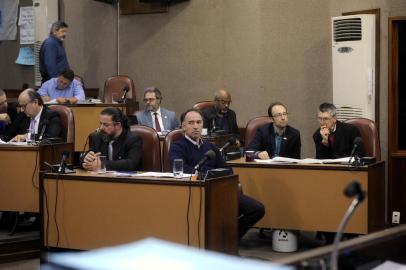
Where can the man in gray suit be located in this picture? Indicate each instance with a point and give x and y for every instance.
(154, 115)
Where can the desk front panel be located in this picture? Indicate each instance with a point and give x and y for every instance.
(312, 198)
(93, 214)
(19, 179)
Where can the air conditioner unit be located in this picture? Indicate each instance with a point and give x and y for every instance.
(353, 49)
(45, 13)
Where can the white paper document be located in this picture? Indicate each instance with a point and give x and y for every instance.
(158, 174)
(278, 160)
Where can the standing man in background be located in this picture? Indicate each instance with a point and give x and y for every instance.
(52, 55)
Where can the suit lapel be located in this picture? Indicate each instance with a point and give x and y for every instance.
(272, 140)
(148, 117)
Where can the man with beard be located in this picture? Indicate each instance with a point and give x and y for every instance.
(114, 140)
(221, 117)
(276, 138)
(52, 55)
(154, 115)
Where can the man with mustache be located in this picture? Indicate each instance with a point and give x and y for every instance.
(52, 55)
(114, 140)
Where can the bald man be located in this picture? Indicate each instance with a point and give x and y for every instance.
(221, 117)
(35, 116)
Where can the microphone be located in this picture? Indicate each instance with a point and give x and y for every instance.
(232, 140)
(357, 145)
(124, 96)
(44, 126)
(351, 190)
(208, 156)
(65, 155)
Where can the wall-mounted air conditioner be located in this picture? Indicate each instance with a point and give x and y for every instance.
(353, 49)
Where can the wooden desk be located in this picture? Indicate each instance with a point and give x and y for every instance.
(102, 210)
(19, 172)
(310, 197)
(87, 121)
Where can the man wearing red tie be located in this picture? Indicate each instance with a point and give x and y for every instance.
(277, 138)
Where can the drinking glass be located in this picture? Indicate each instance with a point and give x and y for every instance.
(178, 168)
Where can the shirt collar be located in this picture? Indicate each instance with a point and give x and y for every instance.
(198, 143)
(38, 116)
(158, 112)
(276, 131)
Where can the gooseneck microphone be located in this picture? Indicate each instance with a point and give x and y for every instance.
(352, 190)
(231, 141)
(357, 145)
(124, 96)
(65, 155)
(44, 127)
(208, 156)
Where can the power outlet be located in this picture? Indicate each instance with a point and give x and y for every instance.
(395, 217)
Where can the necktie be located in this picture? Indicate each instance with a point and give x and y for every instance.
(332, 139)
(110, 149)
(157, 126)
(32, 126)
(278, 141)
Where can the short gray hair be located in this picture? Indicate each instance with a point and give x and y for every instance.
(328, 107)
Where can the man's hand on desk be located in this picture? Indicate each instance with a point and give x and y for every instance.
(61, 100)
(19, 138)
(91, 161)
(4, 117)
(263, 155)
(72, 100)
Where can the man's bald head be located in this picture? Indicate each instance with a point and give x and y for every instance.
(223, 100)
(30, 102)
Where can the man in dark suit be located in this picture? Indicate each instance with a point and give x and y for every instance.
(277, 138)
(8, 112)
(116, 142)
(221, 117)
(334, 139)
(35, 117)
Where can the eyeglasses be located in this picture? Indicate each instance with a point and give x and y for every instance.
(149, 99)
(23, 107)
(279, 115)
(324, 119)
(224, 102)
(107, 124)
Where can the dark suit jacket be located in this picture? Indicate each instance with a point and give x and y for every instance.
(210, 114)
(344, 141)
(22, 123)
(127, 150)
(264, 140)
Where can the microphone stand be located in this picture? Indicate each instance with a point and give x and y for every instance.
(350, 211)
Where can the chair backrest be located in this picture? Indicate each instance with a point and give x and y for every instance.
(171, 137)
(151, 148)
(252, 127)
(369, 135)
(116, 85)
(68, 122)
(201, 105)
(80, 79)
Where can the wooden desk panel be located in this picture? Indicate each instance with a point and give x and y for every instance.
(19, 171)
(310, 197)
(95, 211)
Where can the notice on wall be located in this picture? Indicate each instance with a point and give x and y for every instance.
(8, 19)
(26, 23)
(26, 57)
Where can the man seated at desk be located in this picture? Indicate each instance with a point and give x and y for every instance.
(63, 89)
(154, 115)
(7, 113)
(221, 117)
(276, 138)
(36, 117)
(122, 148)
(192, 149)
(334, 139)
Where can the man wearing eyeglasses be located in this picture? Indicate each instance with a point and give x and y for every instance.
(276, 138)
(334, 139)
(154, 115)
(35, 117)
(221, 117)
(115, 141)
